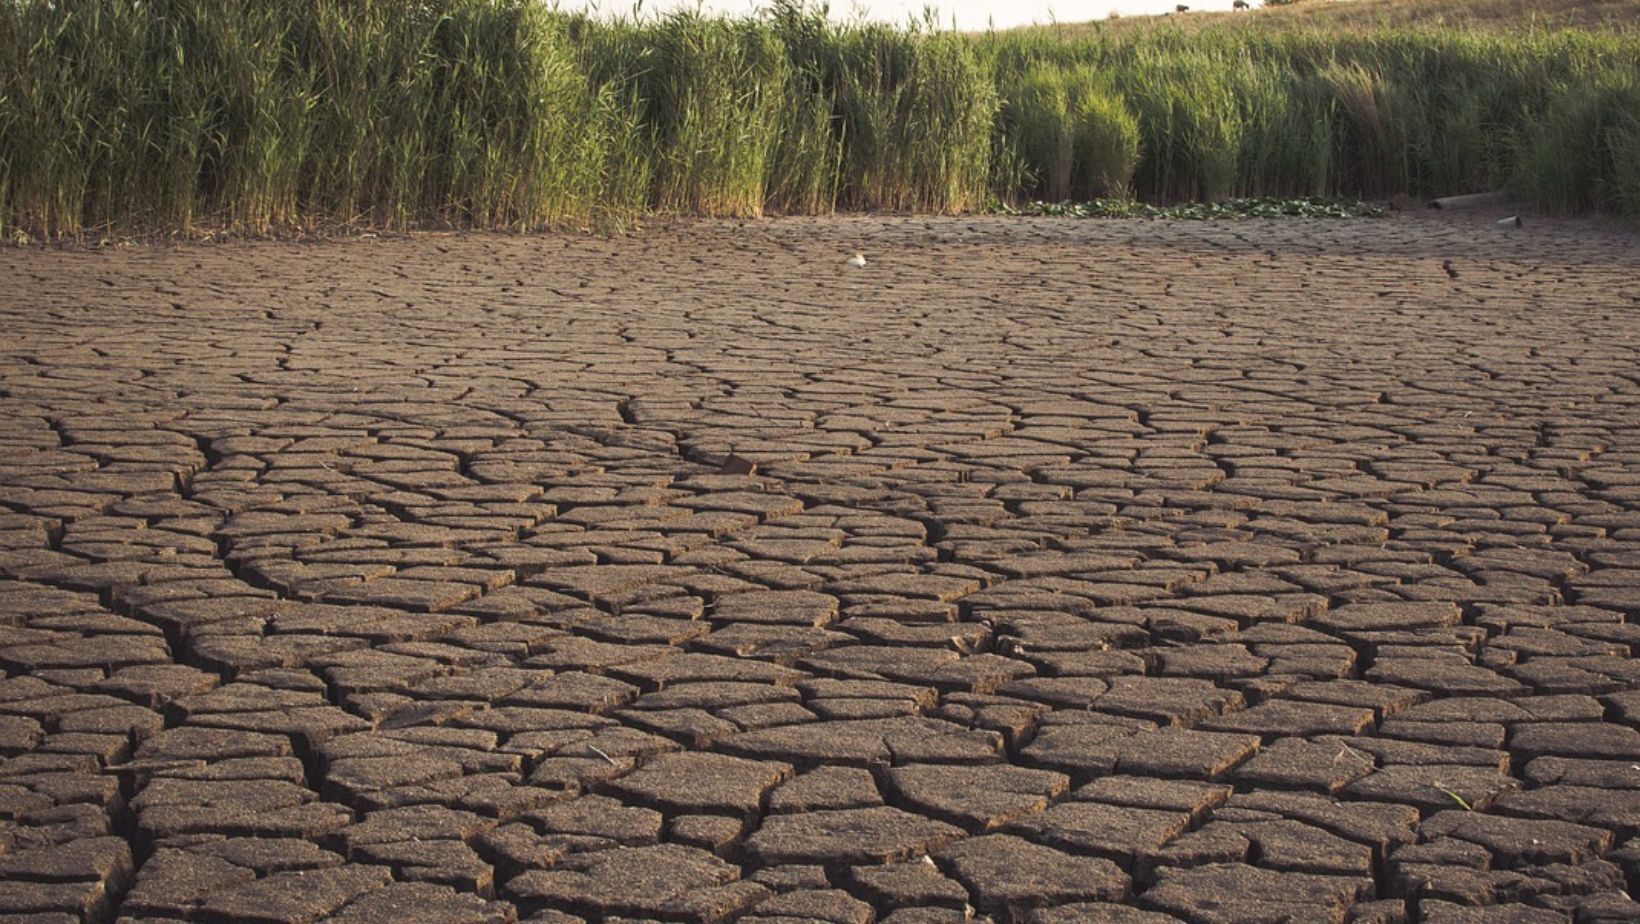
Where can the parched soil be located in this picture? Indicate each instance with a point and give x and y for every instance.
(1038, 571)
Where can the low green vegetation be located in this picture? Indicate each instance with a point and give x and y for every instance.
(1262, 207)
(141, 116)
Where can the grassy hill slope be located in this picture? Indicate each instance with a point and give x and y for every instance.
(1372, 15)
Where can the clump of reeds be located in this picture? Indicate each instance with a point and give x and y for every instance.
(1360, 112)
(167, 114)
(1075, 131)
(1584, 153)
(178, 115)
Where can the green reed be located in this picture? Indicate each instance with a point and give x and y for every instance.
(142, 116)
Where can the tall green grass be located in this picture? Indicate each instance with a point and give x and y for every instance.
(1075, 130)
(182, 115)
(169, 114)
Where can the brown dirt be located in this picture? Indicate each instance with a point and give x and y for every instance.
(1088, 572)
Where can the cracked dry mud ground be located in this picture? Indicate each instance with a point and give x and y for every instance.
(1091, 572)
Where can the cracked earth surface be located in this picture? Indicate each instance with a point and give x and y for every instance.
(1088, 572)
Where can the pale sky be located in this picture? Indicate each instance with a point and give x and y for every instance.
(969, 14)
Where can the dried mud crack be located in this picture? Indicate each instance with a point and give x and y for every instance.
(1090, 573)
